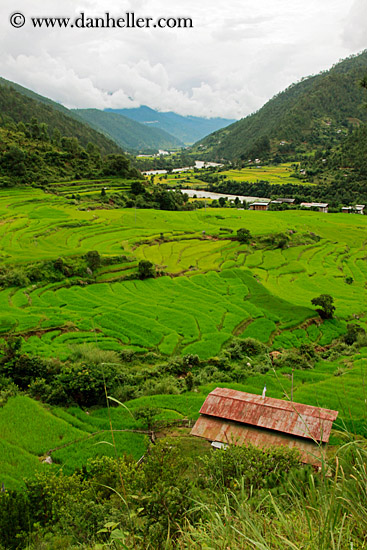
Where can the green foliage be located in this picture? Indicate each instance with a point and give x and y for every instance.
(253, 466)
(296, 359)
(39, 116)
(243, 235)
(354, 332)
(147, 415)
(240, 348)
(93, 259)
(146, 269)
(14, 518)
(49, 143)
(325, 301)
(306, 115)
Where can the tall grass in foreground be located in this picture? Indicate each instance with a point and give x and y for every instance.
(326, 511)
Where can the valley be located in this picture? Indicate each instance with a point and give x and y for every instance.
(130, 289)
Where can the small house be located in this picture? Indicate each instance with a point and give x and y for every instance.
(286, 201)
(235, 417)
(357, 209)
(321, 206)
(259, 206)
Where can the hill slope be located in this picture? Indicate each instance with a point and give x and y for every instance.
(22, 105)
(40, 143)
(316, 112)
(127, 133)
(188, 129)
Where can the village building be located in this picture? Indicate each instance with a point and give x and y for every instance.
(259, 206)
(287, 201)
(357, 209)
(321, 206)
(283, 201)
(235, 417)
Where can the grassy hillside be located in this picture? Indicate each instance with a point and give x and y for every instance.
(77, 324)
(40, 143)
(21, 105)
(314, 113)
(263, 289)
(30, 431)
(127, 133)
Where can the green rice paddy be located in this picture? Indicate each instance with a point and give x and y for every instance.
(213, 288)
(280, 175)
(29, 430)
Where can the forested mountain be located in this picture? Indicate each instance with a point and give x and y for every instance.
(188, 129)
(40, 143)
(127, 133)
(317, 112)
(22, 105)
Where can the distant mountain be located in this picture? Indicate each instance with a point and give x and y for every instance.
(317, 112)
(188, 129)
(24, 104)
(127, 133)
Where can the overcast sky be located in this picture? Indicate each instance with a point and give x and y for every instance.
(238, 55)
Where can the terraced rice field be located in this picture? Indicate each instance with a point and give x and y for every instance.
(29, 430)
(214, 288)
(90, 188)
(279, 175)
(188, 315)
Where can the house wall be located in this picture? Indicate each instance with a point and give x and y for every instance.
(216, 429)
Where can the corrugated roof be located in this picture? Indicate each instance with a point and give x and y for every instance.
(316, 204)
(274, 414)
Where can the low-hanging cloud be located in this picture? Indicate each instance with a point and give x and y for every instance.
(238, 55)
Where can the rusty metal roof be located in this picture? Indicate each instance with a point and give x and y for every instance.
(282, 416)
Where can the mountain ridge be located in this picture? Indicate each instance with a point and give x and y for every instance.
(51, 113)
(127, 133)
(314, 112)
(187, 129)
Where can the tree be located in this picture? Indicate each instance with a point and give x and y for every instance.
(93, 259)
(325, 301)
(137, 188)
(146, 269)
(147, 415)
(222, 201)
(243, 235)
(353, 332)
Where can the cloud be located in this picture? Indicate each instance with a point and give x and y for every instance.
(238, 55)
(354, 32)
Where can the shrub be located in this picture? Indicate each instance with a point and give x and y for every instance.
(92, 355)
(294, 359)
(93, 259)
(239, 348)
(243, 235)
(353, 333)
(256, 467)
(147, 415)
